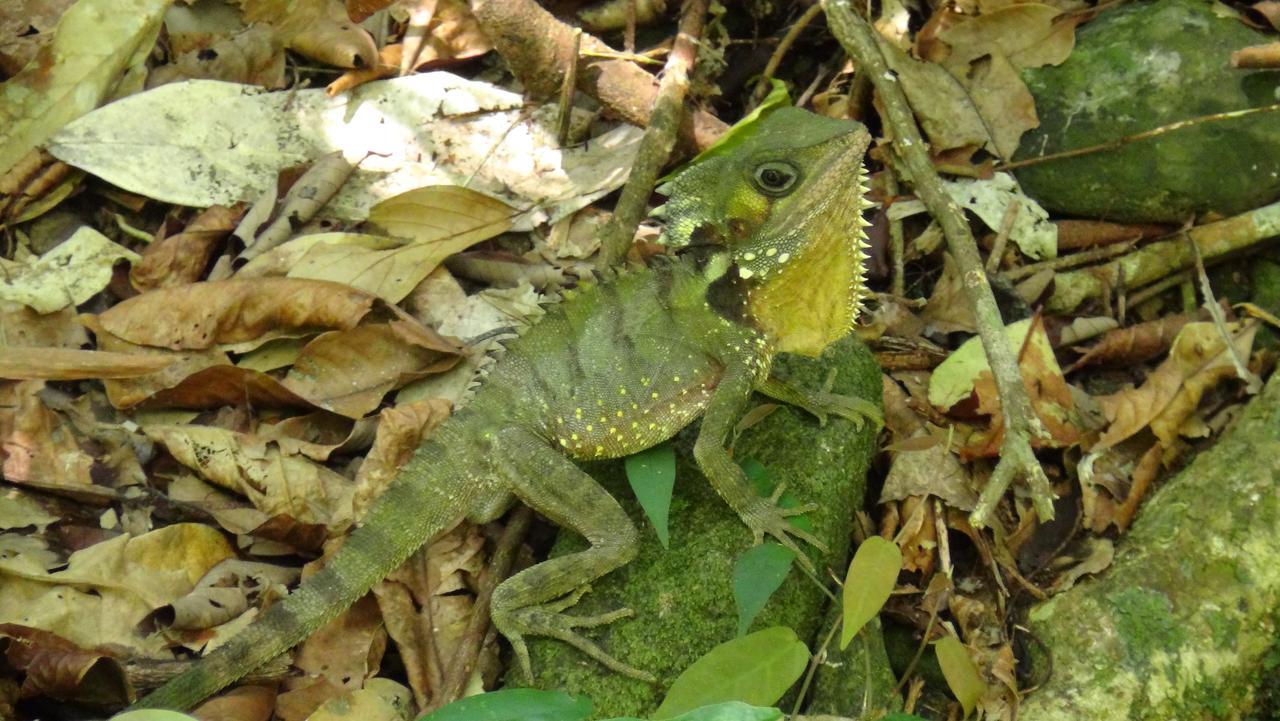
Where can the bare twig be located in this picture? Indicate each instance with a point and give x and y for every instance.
(793, 33)
(1016, 455)
(659, 140)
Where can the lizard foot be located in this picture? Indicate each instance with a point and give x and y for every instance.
(766, 518)
(852, 408)
(548, 620)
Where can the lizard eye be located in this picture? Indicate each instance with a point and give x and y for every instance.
(775, 177)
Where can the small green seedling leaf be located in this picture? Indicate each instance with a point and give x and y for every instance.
(729, 711)
(652, 475)
(755, 669)
(152, 714)
(515, 704)
(961, 674)
(757, 573)
(872, 575)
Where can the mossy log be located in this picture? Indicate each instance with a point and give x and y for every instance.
(681, 595)
(1183, 625)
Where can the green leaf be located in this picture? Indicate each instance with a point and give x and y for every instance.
(755, 669)
(872, 574)
(756, 575)
(962, 676)
(730, 711)
(778, 97)
(902, 717)
(152, 714)
(652, 475)
(515, 704)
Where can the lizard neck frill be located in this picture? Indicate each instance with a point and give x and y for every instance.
(812, 300)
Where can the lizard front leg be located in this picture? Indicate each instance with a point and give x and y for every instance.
(532, 602)
(762, 515)
(821, 404)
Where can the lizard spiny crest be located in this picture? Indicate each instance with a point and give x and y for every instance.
(787, 206)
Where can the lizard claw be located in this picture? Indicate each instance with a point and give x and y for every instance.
(766, 518)
(549, 620)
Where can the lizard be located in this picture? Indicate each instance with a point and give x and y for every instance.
(770, 258)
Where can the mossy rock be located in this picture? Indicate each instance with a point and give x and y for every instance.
(1143, 66)
(681, 595)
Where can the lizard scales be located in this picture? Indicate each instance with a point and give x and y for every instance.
(771, 260)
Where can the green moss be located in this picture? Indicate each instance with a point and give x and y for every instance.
(1143, 620)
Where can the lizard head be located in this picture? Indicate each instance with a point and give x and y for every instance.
(786, 205)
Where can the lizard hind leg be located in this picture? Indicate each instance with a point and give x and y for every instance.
(534, 601)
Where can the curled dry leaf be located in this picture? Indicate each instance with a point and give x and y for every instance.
(305, 197)
(226, 591)
(400, 431)
(182, 258)
(202, 315)
(1198, 361)
(54, 667)
(318, 29)
(1137, 343)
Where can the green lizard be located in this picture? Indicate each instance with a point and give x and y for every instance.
(771, 260)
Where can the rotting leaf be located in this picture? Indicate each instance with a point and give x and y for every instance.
(54, 667)
(182, 258)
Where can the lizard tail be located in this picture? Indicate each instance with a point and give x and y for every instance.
(411, 511)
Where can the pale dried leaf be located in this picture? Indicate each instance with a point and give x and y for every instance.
(69, 274)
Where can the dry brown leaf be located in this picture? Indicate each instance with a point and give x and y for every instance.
(1029, 34)
(254, 56)
(918, 535)
(65, 364)
(444, 33)
(944, 109)
(305, 197)
(1081, 234)
(41, 448)
(318, 29)
(347, 650)
(929, 471)
(1197, 361)
(400, 432)
(277, 484)
(109, 587)
(1003, 100)
(21, 327)
(25, 27)
(947, 311)
(183, 258)
(51, 666)
(242, 703)
(1051, 399)
(348, 372)
(202, 315)
(358, 10)
(1137, 343)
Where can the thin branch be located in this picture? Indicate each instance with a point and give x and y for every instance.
(659, 139)
(1016, 456)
